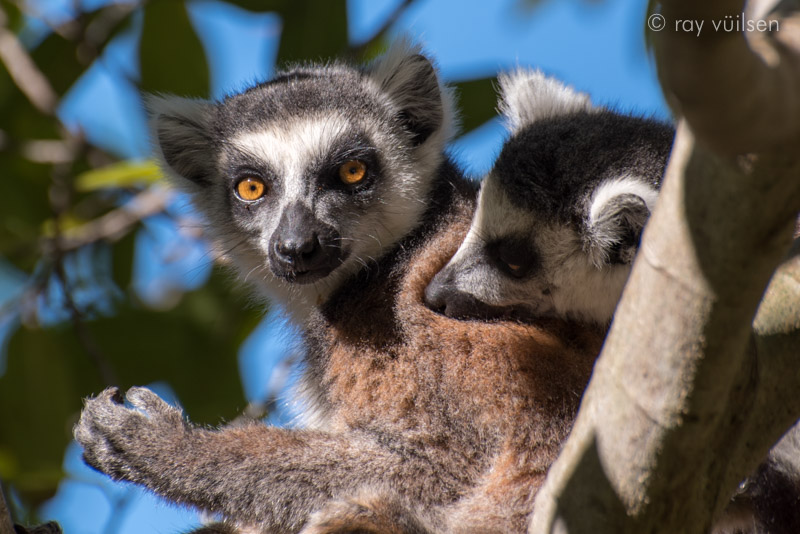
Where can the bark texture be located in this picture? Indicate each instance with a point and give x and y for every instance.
(690, 391)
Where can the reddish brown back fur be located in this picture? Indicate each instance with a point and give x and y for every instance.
(497, 398)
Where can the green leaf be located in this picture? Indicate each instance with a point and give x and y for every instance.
(312, 30)
(171, 55)
(18, 118)
(477, 102)
(121, 174)
(374, 48)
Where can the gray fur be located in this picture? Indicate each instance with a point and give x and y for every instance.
(292, 132)
(564, 205)
(113, 435)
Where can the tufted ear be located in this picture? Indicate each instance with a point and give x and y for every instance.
(181, 133)
(527, 96)
(618, 213)
(411, 81)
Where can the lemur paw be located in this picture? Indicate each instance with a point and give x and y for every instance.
(125, 442)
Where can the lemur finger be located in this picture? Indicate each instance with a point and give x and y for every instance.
(150, 403)
(111, 394)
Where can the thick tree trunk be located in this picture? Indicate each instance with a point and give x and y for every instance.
(689, 392)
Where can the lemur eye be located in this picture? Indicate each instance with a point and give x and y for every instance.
(514, 269)
(514, 256)
(352, 172)
(251, 188)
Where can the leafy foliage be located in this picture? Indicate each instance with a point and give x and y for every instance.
(77, 324)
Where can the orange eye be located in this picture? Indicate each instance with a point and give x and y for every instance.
(251, 188)
(352, 172)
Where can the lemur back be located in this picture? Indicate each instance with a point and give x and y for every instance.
(560, 215)
(329, 189)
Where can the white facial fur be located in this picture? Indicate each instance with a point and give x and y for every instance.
(400, 82)
(578, 268)
(288, 151)
(566, 283)
(473, 273)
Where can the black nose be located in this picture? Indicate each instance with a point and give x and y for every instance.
(303, 248)
(437, 291)
(442, 296)
(299, 251)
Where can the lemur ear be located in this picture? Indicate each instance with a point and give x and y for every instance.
(527, 96)
(617, 216)
(181, 133)
(412, 83)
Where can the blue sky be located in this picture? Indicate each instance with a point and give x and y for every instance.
(597, 47)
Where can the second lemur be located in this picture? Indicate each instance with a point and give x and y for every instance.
(560, 215)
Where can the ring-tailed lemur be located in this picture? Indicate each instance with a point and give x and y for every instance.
(560, 215)
(329, 189)
(555, 231)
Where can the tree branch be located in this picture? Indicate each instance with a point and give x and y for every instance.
(775, 349)
(682, 400)
(750, 97)
(674, 372)
(114, 224)
(30, 80)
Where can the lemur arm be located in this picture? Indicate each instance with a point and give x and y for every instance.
(260, 475)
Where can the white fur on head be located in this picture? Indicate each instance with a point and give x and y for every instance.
(625, 185)
(527, 96)
(617, 205)
(567, 283)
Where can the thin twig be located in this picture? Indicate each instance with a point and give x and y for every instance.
(61, 195)
(30, 80)
(107, 374)
(120, 507)
(115, 224)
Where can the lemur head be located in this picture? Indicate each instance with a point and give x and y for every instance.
(309, 177)
(560, 215)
